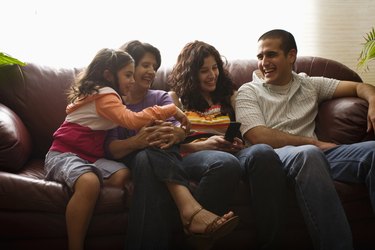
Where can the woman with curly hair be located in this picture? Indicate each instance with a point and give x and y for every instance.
(202, 85)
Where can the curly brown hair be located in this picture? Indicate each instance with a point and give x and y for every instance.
(184, 78)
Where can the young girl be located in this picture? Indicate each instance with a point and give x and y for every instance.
(76, 157)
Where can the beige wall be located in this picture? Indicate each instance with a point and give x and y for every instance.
(338, 27)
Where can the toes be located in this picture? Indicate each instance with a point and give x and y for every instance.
(228, 215)
(225, 217)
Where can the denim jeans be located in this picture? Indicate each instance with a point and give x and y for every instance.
(153, 216)
(354, 163)
(262, 169)
(154, 221)
(269, 173)
(307, 167)
(217, 174)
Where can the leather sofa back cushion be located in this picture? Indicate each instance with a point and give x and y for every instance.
(15, 143)
(343, 121)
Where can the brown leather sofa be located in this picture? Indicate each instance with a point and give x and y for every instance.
(32, 106)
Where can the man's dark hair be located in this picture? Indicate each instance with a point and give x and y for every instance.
(287, 39)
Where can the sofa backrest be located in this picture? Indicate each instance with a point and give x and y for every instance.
(241, 70)
(37, 93)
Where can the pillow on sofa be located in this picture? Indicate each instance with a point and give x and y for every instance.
(15, 143)
(343, 121)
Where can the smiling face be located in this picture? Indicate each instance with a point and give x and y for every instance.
(125, 78)
(275, 65)
(208, 75)
(145, 72)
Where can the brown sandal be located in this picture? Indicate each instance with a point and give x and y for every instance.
(212, 232)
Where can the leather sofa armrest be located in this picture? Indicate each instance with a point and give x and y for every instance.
(343, 121)
(15, 143)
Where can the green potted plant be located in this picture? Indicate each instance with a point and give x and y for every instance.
(368, 50)
(9, 60)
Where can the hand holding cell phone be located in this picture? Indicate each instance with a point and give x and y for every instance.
(232, 131)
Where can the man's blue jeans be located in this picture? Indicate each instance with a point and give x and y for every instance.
(310, 170)
(354, 163)
(321, 207)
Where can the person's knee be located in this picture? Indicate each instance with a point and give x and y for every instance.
(223, 162)
(230, 166)
(261, 149)
(141, 157)
(308, 161)
(142, 169)
(120, 178)
(309, 153)
(88, 182)
(260, 156)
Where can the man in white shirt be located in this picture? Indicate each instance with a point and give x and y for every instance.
(278, 108)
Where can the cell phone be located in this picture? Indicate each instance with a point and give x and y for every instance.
(232, 131)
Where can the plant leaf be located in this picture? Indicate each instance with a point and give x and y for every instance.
(368, 51)
(8, 60)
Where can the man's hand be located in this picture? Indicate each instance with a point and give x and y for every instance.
(324, 145)
(371, 117)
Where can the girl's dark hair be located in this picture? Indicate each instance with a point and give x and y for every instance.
(91, 79)
(184, 79)
(287, 39)
(138, 50)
